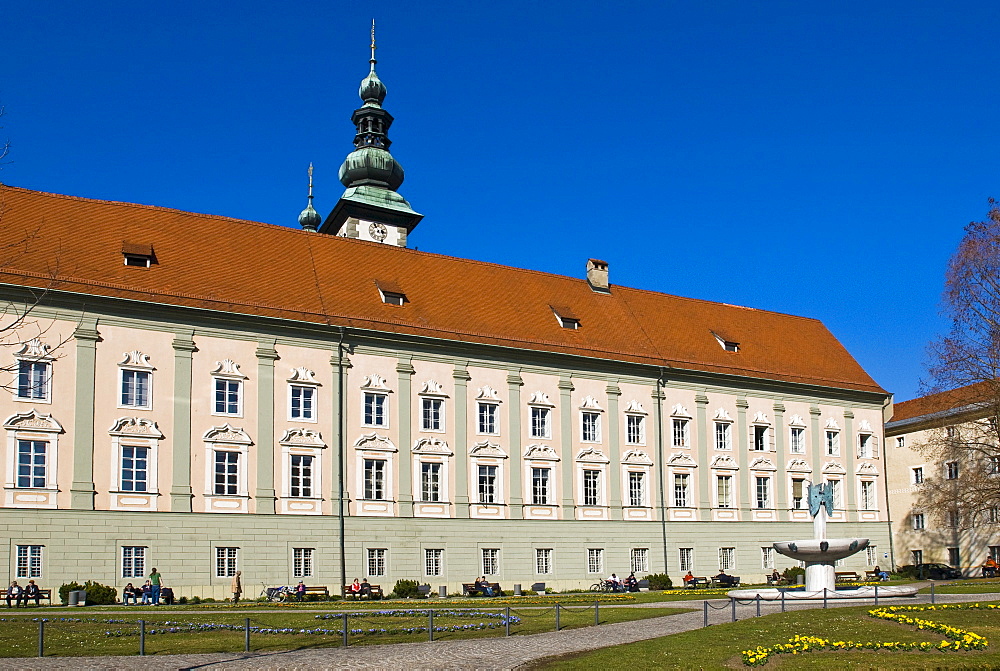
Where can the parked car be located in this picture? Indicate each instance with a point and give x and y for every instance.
(936, 571)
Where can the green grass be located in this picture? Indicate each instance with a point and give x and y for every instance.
(977, 586)
(719, 646)
(19, 631)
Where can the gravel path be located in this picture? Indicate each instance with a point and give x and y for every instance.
(488, 653)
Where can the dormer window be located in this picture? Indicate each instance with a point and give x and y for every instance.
(726, 344)
(565, 317)
(391, 293)
(138, 255)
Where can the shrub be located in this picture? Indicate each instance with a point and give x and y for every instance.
(182, 600)
(792, 573)
(907, 571)
(97, 594)
(64, 591)
(659, 581)
(196, 599)
(405, 589)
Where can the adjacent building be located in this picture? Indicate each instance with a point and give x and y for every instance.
(208, 395)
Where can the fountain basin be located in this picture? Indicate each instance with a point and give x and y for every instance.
(884, 592)
(821, 550)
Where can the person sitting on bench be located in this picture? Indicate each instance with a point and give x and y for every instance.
(355, 587)
(724, 579)
(31, 591)
(689, 580)
(483, 585)
(366, 589)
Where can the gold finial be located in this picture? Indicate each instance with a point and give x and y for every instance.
(310, 181)
(373, 46)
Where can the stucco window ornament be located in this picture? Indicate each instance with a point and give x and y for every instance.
(832, 425)
(760, 418)
(303, 375)
(680, 411)
(799, 466)
(432, 388)
(432, 445)
(373, 441)
(725, 462)
(228, 368)
(592, 455)
(866, 468)
(375, 382)
(865, 426)
(35, 350)
(722, 415)
(681, 459)
(637, 457)
(227, 433)
(797, 422)
(635, 408)
(540, 453)
(542, 399)
(590, 403)
(762, 464)
(487, 449)
(301, 437)
(488, 393)
(135, 359)
(135, 426)
(34, 421)
(833, 467)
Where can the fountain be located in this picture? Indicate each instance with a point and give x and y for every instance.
(820, 555)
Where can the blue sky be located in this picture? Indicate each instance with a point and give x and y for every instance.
(819, 159)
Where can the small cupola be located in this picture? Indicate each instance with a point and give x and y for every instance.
(597, 276)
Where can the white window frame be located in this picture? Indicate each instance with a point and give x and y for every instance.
(490, 561)
(431, 479)
(383, 471)
(29, 561)
(227, 438)
(433, 562)
(591, 474)
(133, 561)
(763, 492)
(36, 427)
(727, 559)
(831, 442)
(868, 495)
(685, 559)
(635, 429)
(767, 557)
(375, 447)
(543, 561)
(797, 440)
(800, 502)
(129, 400)
(227, 371)
(303, 565)
(681, 490)
(595, 561)
(377, 562)
(487, 414)
(722, 432)
(432, 409)
(837, 485)
(917, 475)
(901, 441)
(917, 556)
(918, 521)
(36, 355)
(541, 496)
(377, 397)
(227, 561)
(132, 432)
(867, 445)
(303, 380)
(639, 560)
(951, 470)
(640, 498)
(680, 432)
(766, 434)
(541, 422)
(871, 554)
(593, 430)
(487, 454)
(302, 442)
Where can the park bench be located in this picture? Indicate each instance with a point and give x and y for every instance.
(872, 576)
(696, 582)
(470, 589)
(375, 593)
(774, 583)
(734, 581)
(42, 594)
(847, 576)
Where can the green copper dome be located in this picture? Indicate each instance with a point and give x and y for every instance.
(372, 90)
(371, 165)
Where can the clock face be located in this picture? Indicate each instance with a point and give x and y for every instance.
(377, 231)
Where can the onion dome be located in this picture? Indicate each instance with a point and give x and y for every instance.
(372, 90)
(309, 218)
(371, 165)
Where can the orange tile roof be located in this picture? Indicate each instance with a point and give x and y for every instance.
(229, 265)
(944, 401)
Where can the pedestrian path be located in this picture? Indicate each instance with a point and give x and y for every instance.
(480, 653)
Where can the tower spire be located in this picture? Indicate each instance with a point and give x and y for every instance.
(309, 218)
(373, 61)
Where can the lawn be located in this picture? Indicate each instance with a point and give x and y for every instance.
(975, 586)
(720, 646)
(91, 632)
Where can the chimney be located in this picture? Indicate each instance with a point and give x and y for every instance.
(597, 276)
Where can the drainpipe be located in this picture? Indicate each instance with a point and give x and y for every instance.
(885, 486)
(340, 455)
(659, 465)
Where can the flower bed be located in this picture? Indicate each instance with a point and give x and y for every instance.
(956, 639)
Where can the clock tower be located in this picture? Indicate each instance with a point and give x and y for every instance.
(370, 208)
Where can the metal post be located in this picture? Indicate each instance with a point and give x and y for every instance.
(507, 623)
(344, 624)
(782, 601)
(758, 605)
(597, 613)
(932, 593)
(824, 597)
(732, 604)
(246, 636)
(142, 638)
(430, 624)
(41, 638)
(705, 609)
(876, 595)
(557, 617)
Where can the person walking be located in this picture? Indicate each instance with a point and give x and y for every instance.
(154, 581)
(237, 587)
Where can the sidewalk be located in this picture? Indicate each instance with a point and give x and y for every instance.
(483, 653)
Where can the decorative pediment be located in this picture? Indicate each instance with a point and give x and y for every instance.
(227, 433)
(866, 468)
(375, 382)
(34, 421)
(722, 415)
(432, 445)
(228, 368)
(636, 457)
(725, 462)
(303, 375)
(135, 359)
(635, 408)
(760, 418)
(33, 349)
(865, 426)
(540, 452)
(799, 466)
(679, 411)
(797, 421)
(432, 388)
(762, 464)
(541, 398)
(832, 424)
(592, 455)
(373, 441)
(135, 426)
(487, 393)
(590, 403)
(487, 449)
(681, 459)
(833, 467)
(302, 438)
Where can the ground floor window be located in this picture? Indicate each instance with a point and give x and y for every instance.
(29, 561)
(954, 557)
(491, 561)
(376, 561)
(433, 562)
(767, 557)
(727, 558)
(995, 552)
(686, 558)
(543, 561)
(595, 560)
(640, 560)
(872, 552)
(302, 562)
(133, 562)
(225, 562)
(918, 556)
